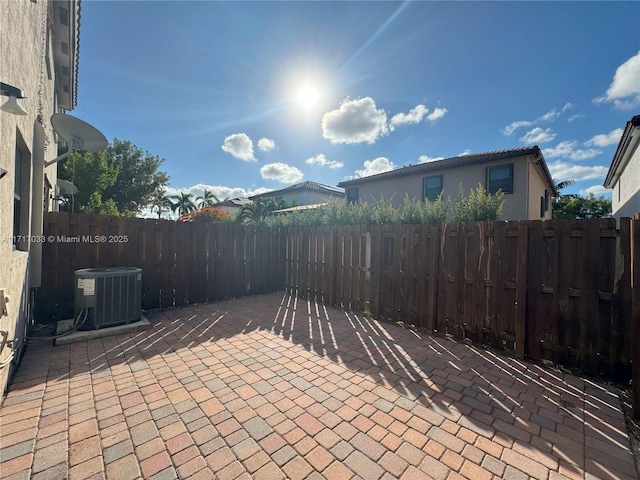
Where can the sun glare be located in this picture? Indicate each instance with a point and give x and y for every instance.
(307, 96)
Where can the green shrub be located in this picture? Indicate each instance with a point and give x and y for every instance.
(477, 206)
(384, 213)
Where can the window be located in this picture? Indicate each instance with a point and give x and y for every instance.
(17, 195)
(432, 187)
(546, 200)
(352, 195)
(500, 177)
(22, 175)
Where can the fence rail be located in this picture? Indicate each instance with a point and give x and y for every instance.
(557, 290)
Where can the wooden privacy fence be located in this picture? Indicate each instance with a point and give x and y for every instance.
(558, 290)
(181, 262)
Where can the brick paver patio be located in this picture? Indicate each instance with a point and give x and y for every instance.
(272, 387)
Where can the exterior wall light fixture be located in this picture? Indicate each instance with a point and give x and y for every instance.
(12, 105)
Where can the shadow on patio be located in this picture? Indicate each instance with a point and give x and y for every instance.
(279, 387)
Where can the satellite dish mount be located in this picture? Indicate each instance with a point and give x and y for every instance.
(79, 135)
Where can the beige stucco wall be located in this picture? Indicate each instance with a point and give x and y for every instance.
(516, 205)
(21, 61)
(536, 188)
(626, 191)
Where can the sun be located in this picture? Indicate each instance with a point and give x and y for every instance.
(307, 96)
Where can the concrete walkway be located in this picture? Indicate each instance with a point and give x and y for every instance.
(271, 387)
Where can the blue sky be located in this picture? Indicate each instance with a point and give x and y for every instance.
(244, 97)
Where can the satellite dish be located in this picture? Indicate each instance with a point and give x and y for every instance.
(79, 135)
(67, 187)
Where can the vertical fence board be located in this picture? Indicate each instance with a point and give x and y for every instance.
(521, 292)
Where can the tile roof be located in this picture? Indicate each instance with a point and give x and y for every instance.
(303, 186)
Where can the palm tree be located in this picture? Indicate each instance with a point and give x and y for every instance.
(183, 203)
(207, 198)
(262, 207)
(563, 184)
(160, 202)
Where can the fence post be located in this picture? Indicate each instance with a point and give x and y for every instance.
(635, 313)
(521, 292)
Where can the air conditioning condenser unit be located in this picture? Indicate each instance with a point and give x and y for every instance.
(111, 296)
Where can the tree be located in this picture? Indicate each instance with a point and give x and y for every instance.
(161, 202)
(92, 173)
(207, 198)
(183, 203)
(574, 206)
(260, 208)
(122, 179)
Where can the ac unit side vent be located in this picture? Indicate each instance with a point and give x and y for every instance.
(113, 296)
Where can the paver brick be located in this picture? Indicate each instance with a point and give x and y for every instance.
(337, 471)
(297, 468)
(363, 466)
(393, 464)
(319, 458)
(257, 428)
(21, 464)
(270, 471)
(519, 461)
(220, 458)
(125, 468)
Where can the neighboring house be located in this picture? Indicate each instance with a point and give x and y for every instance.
(233, 205)
(305, 193)
(624, 174)
(521, 173)
(39, 61)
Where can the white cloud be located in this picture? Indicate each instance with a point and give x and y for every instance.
(436, 114)
(427, 159)
(240, 146)
(567, 149)
(574, 117)
(538, 135)
(282, 172)
(415, 115)
(465, 153)
(555, 113)
(220, 191)
(569, 171)
(605, 139)
(549, 116)
(509, 129)
(624, 91)
(323, 162)
(378, 165)
(597, 190)
(266, 144)
(356, 121)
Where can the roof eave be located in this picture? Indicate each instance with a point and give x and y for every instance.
(452, 162)
(69, 34)
(618, 157)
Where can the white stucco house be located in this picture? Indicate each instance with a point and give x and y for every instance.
(38, 76)
(624, 173)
